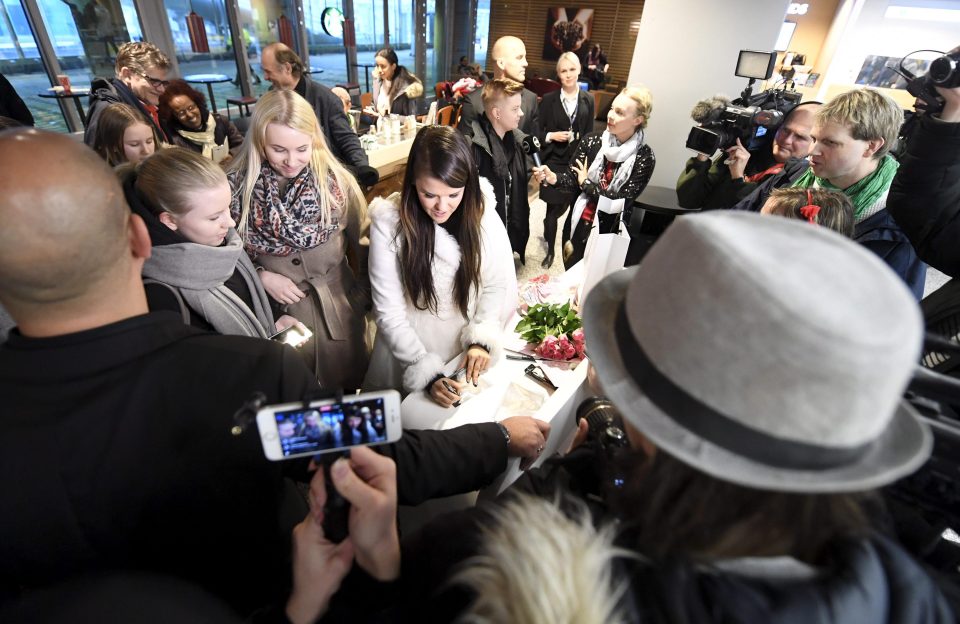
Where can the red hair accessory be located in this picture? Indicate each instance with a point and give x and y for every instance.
(811, 210)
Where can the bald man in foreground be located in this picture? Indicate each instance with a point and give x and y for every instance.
(510, 58)
(116, 450)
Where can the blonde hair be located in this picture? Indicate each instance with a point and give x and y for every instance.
(167, 179)
(569, 56)
(867, 114)
(140, 56)
(113, 123)
(499, 88)
(287, 108)
(643, 100)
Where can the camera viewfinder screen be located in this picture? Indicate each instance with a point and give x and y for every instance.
(318, 429)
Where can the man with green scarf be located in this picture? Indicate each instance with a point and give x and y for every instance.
(854, 133)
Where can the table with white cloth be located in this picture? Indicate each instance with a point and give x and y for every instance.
(419, 411)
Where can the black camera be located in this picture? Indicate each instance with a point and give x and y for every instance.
(606, 425)
(749, 117)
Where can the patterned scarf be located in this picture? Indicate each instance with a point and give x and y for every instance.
(865, 193)
(281, 223)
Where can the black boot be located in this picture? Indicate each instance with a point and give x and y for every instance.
(548, 259)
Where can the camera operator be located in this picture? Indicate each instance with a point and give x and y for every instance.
(754, 451)
(924, 198)
(736, 172)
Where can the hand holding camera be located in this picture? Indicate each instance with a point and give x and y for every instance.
(737, 158)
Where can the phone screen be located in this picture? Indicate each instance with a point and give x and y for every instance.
(293, 336)
(326, 427)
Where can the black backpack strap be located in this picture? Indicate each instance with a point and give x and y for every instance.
(184, 309)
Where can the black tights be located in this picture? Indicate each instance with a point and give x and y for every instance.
(554, 212)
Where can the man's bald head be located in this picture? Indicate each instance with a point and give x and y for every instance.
(341, 93)
(510, 58)
(63, 226)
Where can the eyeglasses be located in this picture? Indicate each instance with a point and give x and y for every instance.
(193, 108)
(156, 83)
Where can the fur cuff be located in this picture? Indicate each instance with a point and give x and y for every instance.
(422, 372)
(486, 334)
(414, 91)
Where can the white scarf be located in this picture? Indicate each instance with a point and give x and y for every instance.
(205, 139)
(611, 150)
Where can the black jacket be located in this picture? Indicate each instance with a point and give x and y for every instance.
(341, 139)
(11, 105)
(553, 118)
(116, 453)
(224, 132)
(925, 195)
(513, 204)
(588, 149)
(879, 232)
(107, 91)
(707, 185)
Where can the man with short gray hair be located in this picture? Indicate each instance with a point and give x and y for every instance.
(141, 78)
(854, 133)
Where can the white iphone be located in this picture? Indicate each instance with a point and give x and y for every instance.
(292, 430)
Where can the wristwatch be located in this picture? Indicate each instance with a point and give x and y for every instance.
(504, 431)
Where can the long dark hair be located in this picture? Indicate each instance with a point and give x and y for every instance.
(443, 153)
(401, 75)
(671, 510)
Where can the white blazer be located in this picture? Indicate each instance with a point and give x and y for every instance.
(412, 346)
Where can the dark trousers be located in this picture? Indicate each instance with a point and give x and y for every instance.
(554, 212)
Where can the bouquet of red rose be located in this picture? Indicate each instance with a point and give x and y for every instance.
(555, 330)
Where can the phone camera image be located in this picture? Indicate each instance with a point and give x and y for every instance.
(318, 429)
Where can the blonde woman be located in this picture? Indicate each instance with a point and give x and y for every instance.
(299, 213)
(608, 170)
(197, 268)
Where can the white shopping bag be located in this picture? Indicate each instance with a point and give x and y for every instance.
(604, 254)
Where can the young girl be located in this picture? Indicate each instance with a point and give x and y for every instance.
(608, 170)
(395, 90)
(198, 267)
(124, 135)
(441, 270)
(829, 208)
(299, 213)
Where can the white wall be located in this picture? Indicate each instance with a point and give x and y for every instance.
(687, 50)
(869, 32)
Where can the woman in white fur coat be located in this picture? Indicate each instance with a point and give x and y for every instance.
(441, 271)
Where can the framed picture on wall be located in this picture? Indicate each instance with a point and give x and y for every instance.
(877, 71)
(568, 29)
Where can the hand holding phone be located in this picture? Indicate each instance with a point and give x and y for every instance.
(296, 335)
(293, 430)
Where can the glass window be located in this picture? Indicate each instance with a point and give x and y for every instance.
(261, 23)
(368, 16)
(482, 34)
(326, 52)
(23, 68)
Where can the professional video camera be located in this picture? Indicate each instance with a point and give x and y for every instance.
(943, 72)
(748, 117)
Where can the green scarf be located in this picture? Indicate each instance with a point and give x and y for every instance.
(864, 193)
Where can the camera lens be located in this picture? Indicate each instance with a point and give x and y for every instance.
(945, 72)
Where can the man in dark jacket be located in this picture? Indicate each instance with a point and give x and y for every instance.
(510, 56)
(854, 134)
(284, 69)
(925, 195)
(498, 150)
(141, 77)
(116, 451)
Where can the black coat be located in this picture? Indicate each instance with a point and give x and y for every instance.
(588, 149)
(341, 139)
(107, 91)
(553, 118)
(513, 204)
(116, 453)
(925, 195)
(11, 105)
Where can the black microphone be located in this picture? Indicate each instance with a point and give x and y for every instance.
(531, 146)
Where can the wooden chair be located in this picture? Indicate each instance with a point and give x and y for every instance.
(242, 104)
(445, 116)
(456, 122)
(366, 99)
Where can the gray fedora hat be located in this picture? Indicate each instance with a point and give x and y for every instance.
(765, 352)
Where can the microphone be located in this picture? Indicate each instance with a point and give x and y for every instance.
(531, 146)
(709, 109)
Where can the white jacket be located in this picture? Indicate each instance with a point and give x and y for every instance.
(413, 345)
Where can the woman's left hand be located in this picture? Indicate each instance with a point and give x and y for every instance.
(476, 361)
(581, 170)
